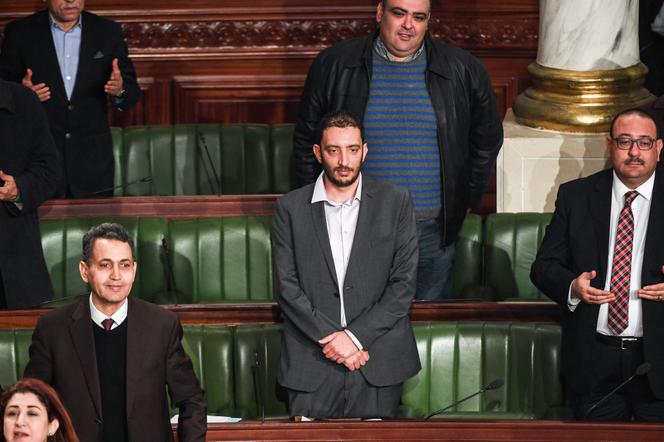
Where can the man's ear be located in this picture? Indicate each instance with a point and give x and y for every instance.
(83, 270)
(379, 11)
(318, 154)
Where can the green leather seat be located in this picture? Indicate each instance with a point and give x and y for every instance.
(239, 159)
(210, 348)
(256, 365)
(467, 270)
(511, 241)
(459, 359)
(14, 344)
(213, 259)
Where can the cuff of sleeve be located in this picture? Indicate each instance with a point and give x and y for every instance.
(571, 301)
(354, 339)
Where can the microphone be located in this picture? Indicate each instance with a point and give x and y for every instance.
(260, 407)
(56, 302)
(168, 270)
(217, 180)
(640, 370)
(493, 385)
(145, 179)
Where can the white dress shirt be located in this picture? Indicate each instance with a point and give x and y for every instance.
(341, 220)
(118, 317)
(641, 212)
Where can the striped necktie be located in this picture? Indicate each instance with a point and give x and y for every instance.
(621, 267)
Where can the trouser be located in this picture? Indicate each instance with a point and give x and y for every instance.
(346, 394)
(434, 268)
(616, 360)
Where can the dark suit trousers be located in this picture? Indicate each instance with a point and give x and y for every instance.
(635, 401)
(346, 394)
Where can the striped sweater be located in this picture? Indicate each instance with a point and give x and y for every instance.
(401, 131)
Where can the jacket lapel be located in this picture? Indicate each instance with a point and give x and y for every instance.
(654, 233)
(320, 227)
(600, 211)
(136, 346)
(82, 336)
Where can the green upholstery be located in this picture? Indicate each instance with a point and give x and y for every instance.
(213, 259)
(210, 348)
(467, 270)
(511, 241)
(239, 159)
(258, 343)
(14, 344)
(457, 360)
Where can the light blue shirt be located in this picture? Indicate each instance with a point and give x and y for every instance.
(67, 49)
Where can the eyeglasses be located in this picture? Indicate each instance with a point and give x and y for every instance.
(625, 143)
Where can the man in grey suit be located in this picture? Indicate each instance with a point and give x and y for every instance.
(345, 254)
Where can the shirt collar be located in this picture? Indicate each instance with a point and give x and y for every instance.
(118, 317)
(79, 24)
(645, 189)
(321, 195)
(381, 50)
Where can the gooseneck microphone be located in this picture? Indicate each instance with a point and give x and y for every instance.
(168, 269)
(204, 146)
(640, 370)
(493, 385)
(258, 397)
(145, 179)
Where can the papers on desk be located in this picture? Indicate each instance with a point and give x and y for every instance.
(213, 419)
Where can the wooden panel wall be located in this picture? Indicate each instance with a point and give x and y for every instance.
(245, 61)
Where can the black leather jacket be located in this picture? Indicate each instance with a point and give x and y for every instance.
(470, 130)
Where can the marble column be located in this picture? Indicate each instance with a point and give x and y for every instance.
(587, 66)
(586, 35)
(587, 70)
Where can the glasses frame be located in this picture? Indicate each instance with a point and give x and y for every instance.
(617, 140)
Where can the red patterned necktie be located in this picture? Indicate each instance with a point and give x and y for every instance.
(107, 323)
(622, 264)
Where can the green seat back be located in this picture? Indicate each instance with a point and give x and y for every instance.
(62, 245)
(210, 348)
(186, 159)
(222, 259)
(213, 259)
(256, 358)
(511, 241)
(459, 359)
(14, 345)
(467, 270)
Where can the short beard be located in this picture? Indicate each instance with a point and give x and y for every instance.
(329, 174)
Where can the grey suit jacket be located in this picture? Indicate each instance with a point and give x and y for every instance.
(63, 354)
(378, 288)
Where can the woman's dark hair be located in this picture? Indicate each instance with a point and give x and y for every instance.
(50, 400)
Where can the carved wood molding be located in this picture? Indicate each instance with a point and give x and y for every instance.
(144, 38)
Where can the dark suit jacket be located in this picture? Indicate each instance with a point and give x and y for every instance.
(576, 241)
(27, 152)
(80, 125)
(378, 288)
(63, 354)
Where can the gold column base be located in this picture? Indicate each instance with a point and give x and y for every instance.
(576, 101)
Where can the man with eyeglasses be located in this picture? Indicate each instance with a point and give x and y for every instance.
(602, 260)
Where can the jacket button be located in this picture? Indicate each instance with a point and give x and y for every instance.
(70, 107)
(67, 136)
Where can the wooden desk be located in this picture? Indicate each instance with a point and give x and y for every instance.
(438, 430)
(269, 312)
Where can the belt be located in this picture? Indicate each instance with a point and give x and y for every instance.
(625, 343)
